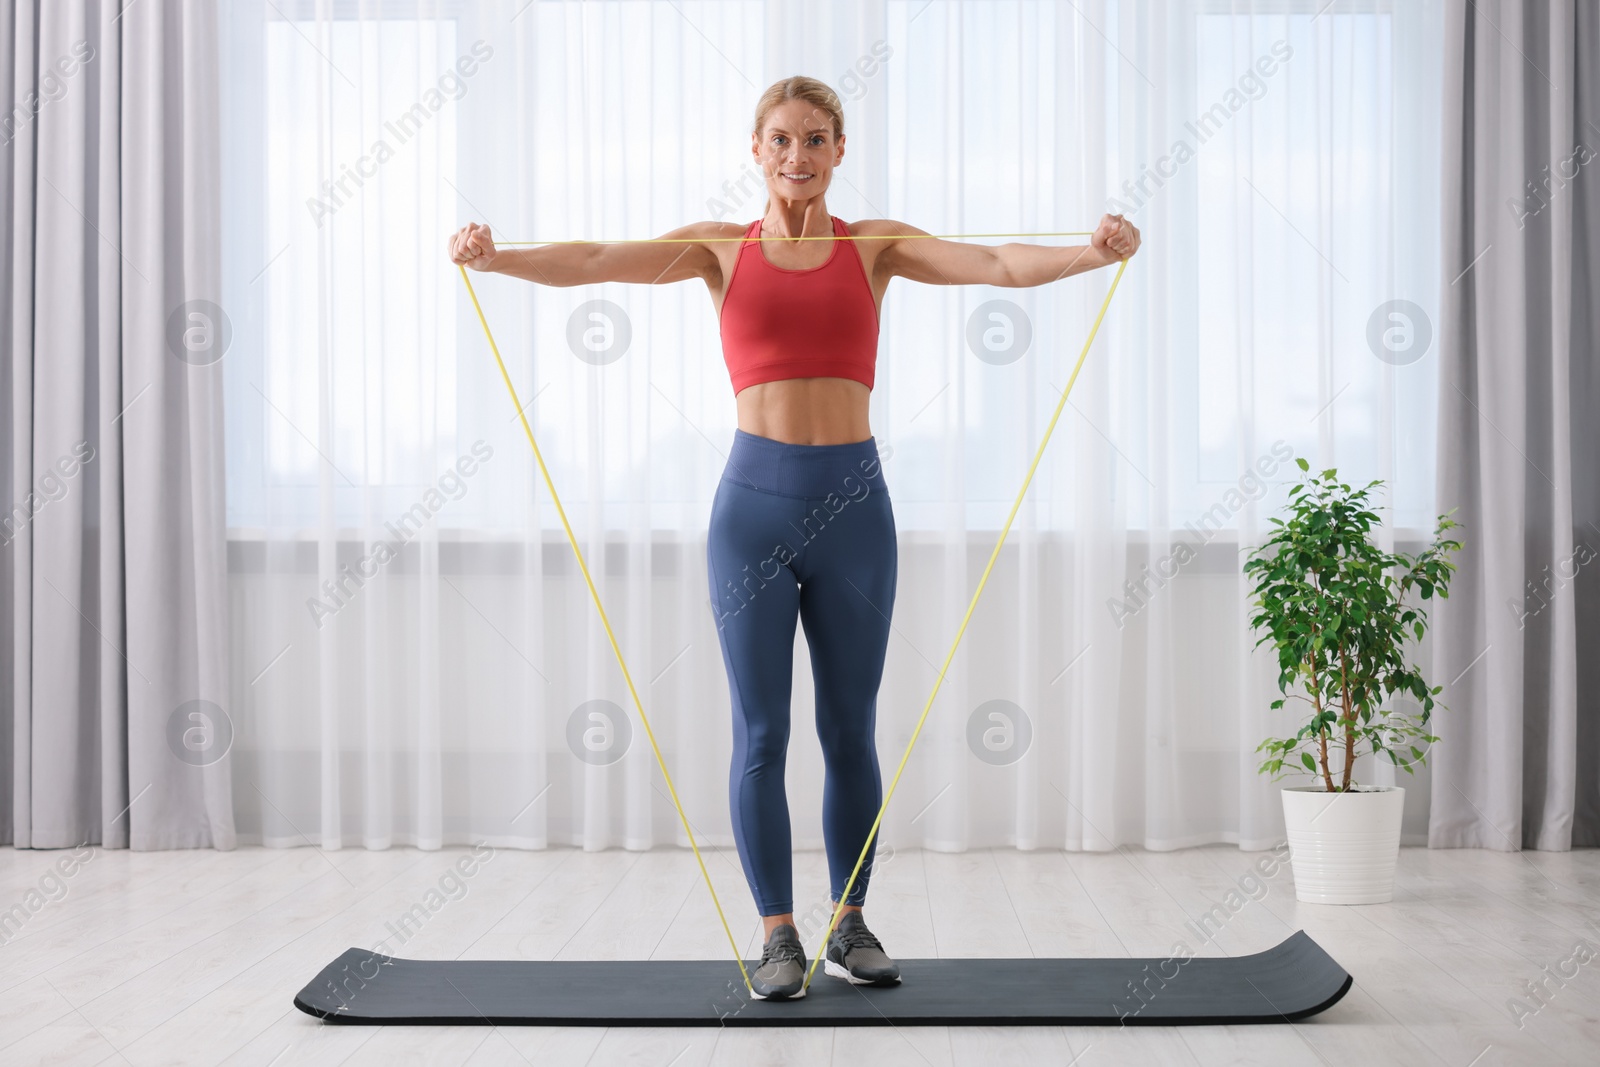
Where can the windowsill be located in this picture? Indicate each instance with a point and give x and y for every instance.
(504, 552)
(473, 535)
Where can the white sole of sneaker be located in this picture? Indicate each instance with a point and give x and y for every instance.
(838, 971)
(792, 996)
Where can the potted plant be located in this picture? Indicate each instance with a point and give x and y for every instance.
(1338, 611)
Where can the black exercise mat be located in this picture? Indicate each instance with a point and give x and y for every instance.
(1288, 982)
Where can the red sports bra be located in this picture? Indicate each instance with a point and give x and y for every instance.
(819, 322)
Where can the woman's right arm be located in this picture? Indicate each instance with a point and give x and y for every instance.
(582, 264)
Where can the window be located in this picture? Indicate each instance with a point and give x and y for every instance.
(1297, 210)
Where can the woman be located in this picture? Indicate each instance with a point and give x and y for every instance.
(801, 526)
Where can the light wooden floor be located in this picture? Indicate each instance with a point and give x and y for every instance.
(194, 957)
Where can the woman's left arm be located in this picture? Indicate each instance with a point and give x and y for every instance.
(938, 262)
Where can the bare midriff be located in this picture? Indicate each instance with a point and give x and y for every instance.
(806, 411)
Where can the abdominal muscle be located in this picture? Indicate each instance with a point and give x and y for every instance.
(806, 411)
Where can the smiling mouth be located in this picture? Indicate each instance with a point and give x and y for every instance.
(798, 177)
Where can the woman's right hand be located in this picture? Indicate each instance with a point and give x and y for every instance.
(473, 246)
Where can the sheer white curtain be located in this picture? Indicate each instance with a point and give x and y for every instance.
(416, 658)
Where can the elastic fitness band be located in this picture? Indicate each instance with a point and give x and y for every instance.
(617, 650)
(824, 237)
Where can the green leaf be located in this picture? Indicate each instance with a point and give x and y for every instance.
(1301, 463)
(1311, 765)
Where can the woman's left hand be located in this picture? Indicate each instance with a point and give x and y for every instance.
(1115, 237)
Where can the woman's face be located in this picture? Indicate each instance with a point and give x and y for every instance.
(796, 150)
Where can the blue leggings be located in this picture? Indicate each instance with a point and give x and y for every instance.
(802, 532)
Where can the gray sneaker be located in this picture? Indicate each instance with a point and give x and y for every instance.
(782, 974)
(855, 954)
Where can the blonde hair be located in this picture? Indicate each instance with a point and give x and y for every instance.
(799, 87)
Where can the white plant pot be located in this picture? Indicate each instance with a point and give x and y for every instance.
(1343, 846)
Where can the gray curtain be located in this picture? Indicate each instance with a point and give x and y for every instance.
(1516, 642)
(1585, 414)
(113, 627)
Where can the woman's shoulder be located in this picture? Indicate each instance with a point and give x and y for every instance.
(887, 229)
(710, 230)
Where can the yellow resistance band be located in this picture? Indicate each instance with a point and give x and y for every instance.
(737, 955)
(839, 909)
(824, 237)
(616, 649)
